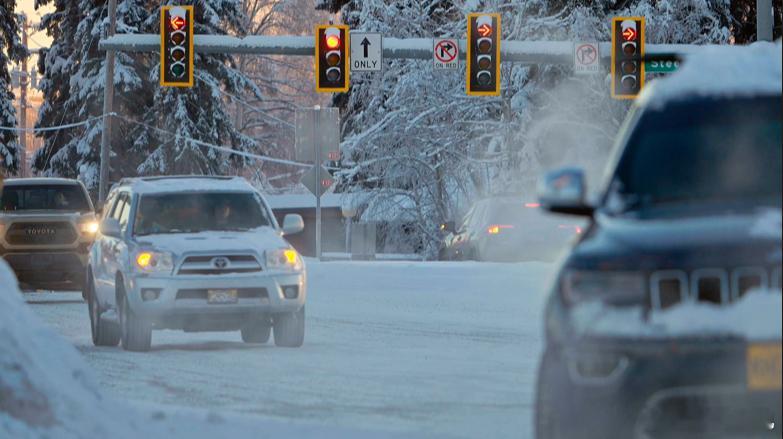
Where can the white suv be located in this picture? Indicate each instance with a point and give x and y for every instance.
(197, 254)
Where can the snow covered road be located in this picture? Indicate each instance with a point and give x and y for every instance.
(439, 349)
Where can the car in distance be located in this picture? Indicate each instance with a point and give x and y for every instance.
(196, 254)
(47, 226)
(506, 228)
(664, 319)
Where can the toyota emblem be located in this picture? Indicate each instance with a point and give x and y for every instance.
(220, 262)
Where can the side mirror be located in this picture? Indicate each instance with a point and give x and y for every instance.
(448, 226)
(111, 227)
(563, 191)
(292, 224)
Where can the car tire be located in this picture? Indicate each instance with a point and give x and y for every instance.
(257, 331)
(290, 329)
(103, 333)
(547, 423)
(136, 333)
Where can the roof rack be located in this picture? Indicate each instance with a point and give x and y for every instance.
(128, 180)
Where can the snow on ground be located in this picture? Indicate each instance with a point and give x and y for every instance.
(394, 349)
(433, 349)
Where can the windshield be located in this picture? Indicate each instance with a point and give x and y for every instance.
(199, 212)
(44, 197)
(713, 152)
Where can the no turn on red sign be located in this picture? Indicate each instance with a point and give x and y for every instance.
(587, 59)
(445, 54)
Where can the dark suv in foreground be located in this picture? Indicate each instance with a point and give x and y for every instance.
(664, 320)
(47, 226)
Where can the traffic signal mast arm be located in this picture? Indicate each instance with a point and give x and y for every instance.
(522, 52)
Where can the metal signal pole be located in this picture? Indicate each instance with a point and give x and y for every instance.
(23, 84)
(108, 104)
(764, 20)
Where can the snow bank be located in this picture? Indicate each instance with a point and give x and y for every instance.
(48, 391)
(757, 316)
(721, 71)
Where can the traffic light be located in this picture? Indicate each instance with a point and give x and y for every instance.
(482, 75)
(627, 57)
(331, 58)
(176, 46)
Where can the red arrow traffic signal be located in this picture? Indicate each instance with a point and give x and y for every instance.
(177, 22)
(485, 30)
(629, 34)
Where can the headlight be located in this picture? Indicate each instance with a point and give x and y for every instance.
(89, 227)
(283, 259)
(153, 262)
(616, 287)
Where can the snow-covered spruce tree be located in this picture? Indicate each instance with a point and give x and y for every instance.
(75, 152)
(11, 50)
(199, 112)
(424, 150)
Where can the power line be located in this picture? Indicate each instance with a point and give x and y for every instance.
(56, 127)
(217, 147)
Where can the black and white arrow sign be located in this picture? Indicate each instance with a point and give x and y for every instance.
(366, 52)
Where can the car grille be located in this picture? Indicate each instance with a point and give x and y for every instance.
(41, 233)
(711, 285)
(242, 293)
(219, 264)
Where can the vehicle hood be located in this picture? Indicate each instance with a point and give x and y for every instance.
(704, 241)
(253, 241)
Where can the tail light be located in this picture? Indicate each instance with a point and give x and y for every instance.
(496, 228)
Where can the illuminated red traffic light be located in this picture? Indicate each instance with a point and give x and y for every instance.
(484, 30)
(177, 22)
(332, 41)
(629, 34)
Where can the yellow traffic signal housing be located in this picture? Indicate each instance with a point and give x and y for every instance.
(176, 46)
(482, 75)
(332, 50)
(627, 57)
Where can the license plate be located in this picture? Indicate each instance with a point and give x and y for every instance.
(221, 296)
(764, 366)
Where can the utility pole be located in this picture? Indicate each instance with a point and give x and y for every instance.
(23, 84)
(108, 104)
(318, 183)
(764, 20)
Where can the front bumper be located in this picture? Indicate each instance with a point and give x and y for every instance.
(663, 388)
(182, 300)
(44, 267)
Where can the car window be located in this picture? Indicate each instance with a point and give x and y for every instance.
(193, 212)
(125, 214)
(721, 152)
(62, 197)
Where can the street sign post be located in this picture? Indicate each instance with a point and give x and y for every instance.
(327, 137)
(317, 184)
(317, 139)
(366, 51)
(587, 58)
(445, 54)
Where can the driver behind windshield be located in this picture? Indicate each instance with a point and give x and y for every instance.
(199, 212)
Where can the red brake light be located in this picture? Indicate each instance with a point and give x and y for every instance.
(532, 205)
